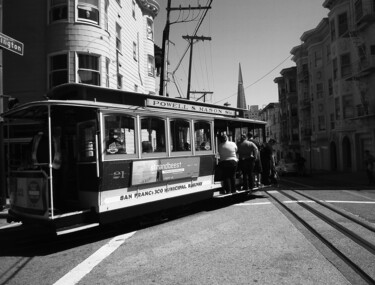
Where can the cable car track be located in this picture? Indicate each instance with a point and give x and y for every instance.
(299, 212)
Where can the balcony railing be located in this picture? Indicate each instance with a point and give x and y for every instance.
(365, 14)
(361, 68)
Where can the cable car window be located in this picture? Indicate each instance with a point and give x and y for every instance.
(180, 135)
(86, 141)
(119, 135)
(202, 136)
(153, 135)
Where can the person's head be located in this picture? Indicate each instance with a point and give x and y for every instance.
(114, 134)
(223, 138)
(250, 136)
(272, 142)
(243, 137)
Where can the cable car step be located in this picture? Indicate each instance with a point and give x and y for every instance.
(75, 228)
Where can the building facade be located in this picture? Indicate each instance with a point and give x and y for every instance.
(289, 120)
(108, 43)
(271, 115)
(335, 86)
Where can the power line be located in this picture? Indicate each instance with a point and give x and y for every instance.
(289, 56)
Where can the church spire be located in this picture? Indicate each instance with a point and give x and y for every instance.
(241, 101)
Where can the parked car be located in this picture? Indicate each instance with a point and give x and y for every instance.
(285, 166)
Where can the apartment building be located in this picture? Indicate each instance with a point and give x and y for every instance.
(289, 121)
(335, 85)
(108, 43)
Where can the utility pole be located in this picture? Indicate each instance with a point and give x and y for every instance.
(191, 39)
(165, 43)
(164, 60)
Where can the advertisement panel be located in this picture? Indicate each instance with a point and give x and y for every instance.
(148, 171)
(29, 190)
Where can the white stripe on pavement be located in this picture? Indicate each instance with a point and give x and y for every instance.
(307, 201)
(80, 271)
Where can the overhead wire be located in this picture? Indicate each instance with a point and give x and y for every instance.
(256, 81)
(195, 33)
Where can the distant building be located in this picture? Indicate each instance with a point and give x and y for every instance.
(289, 121)
(97, 42)
(271, 115)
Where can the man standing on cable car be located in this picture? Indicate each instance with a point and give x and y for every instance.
(247, 153)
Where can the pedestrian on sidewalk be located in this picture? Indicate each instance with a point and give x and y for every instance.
(369, 161)
(228, 163)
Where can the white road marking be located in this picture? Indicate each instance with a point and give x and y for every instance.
(253, 204)
(80, 271)
(355, 193)
(307, 201)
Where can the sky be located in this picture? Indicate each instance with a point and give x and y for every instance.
(256, 34)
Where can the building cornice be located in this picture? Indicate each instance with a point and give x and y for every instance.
(318, 31)
(150, 6)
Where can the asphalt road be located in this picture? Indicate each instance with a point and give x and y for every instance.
(246, 241)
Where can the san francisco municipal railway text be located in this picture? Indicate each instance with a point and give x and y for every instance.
(141, 194)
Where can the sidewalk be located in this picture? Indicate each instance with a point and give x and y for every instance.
(356, 180)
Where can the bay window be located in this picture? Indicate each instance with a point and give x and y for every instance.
(88, 69)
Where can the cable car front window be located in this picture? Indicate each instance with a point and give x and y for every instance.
(119, 135)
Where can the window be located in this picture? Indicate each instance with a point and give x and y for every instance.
(343, 23)
(119, 76)
(107, 63)
(358, 10)
(87, 141)
(88, 11)
(151, 66)
(345, 65)
(150, 29)
(337, 108)
(328, 48)
(88, 69)
(335, 69)
(333, 30)
(202, 136)
(118, 37)
(180, 135)
(119, 81)
(119, 134)
(348, 108)
(153, 135)
(58, 10)
(330, 86)
(332, 121)
(318, 59)
(135, 56)
(58, 73)
(321, 123)
(106, 6)
(133, 8)
(319, 90)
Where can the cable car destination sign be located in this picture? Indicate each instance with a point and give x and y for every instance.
(189, 107)
(11, 44)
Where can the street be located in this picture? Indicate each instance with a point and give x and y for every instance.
(245, 240)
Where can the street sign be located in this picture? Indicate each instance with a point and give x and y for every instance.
(11, 44)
